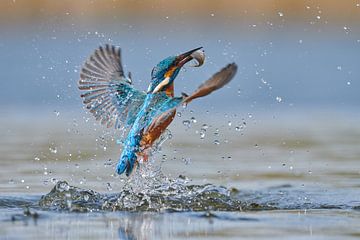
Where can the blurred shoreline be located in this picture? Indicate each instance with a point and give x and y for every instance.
(34, 10)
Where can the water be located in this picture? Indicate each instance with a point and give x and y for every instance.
(291, 177)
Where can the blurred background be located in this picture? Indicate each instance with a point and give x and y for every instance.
(297, 86)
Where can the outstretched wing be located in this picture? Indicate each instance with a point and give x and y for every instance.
(218, 80)
(108, 94)
(165, 112)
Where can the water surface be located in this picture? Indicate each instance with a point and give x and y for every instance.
(243, 177)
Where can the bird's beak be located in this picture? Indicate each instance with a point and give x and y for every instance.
(196, 54)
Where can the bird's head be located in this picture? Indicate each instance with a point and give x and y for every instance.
(164, 73)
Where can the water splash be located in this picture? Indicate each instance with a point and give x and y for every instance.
(146, 193)
(156, 195)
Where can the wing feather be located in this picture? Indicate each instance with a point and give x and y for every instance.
(107, 93)
(218, 80)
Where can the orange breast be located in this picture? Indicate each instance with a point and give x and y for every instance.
(156, 128)
(169, 91)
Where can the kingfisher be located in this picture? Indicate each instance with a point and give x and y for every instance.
(110, 96)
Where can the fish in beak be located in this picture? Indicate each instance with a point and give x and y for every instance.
(196, 54)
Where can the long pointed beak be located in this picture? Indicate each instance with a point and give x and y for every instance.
(190, 55)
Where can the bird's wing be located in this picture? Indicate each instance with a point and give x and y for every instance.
(108, 94)
(218, 80)
(168, 105)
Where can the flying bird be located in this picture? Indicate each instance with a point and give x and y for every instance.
(110, 96)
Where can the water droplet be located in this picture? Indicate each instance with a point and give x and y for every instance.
(278, 99)
(212, 14)
(37, 159)
(108, 162)
(11, 181)
(193, 120)
(318, 17)
(86, 197)
(281, 14)
(202, 134)
(348, 83)
(57, 113)
(216, 142)
(178, 114)
(63, 186)
(237, 129)
(53, 150)
(108, 186)
(186, 123)
(186, 160)
(229, 123)
(339, 68)
(68, 203)
(53, 180)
